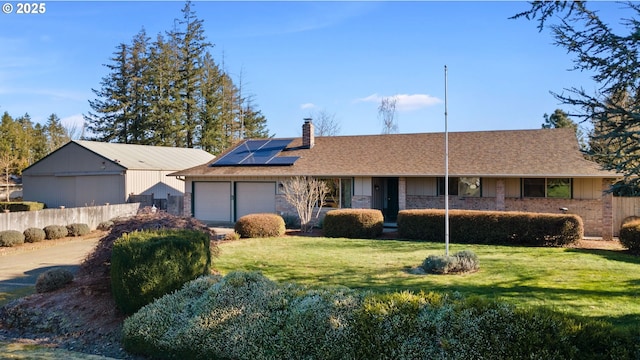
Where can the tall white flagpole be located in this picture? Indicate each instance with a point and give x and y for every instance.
(446, 168)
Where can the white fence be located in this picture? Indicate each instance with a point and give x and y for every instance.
(90, 215)
(623, 207)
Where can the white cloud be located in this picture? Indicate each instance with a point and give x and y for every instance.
(416, 101)
(308, 106)
(406, 102)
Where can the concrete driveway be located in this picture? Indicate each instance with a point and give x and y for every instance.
(21, 267)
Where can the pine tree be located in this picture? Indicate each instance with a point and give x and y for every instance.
(138, 98)
(55, 134)
(110, 120)
(164, 113)
(192, 46)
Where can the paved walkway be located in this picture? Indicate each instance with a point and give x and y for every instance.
(21, 268)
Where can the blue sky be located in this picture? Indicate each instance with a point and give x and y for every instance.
(298, 58)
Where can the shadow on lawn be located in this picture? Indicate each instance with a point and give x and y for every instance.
(613, 255)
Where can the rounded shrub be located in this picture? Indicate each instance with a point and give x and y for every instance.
(32, 235)
(353, 223)
(78, 229)
(53, 279)
(260, 226)
(53, 232)
(630, 236)
(461, 262)
(145, 265)
(105, 225)
(9, 238)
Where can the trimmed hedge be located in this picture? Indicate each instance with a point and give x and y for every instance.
(55, 232)
(353, 223)
(247, 316)
(32, 235)
(145, 265)
(260, 226)
(630, 236)
(21, 206)
(78, 229)
(491, 227)
(9, 238)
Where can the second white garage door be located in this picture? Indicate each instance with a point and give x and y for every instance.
(255, 197)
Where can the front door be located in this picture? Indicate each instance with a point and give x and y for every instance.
(385, 197)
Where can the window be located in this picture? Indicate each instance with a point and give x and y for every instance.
(469, 187)
(340, 193)
(453, 186)
(559, 188)
(461, 186)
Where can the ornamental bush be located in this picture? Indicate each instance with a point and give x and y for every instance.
(260, 226)
(145, 265)
(460, 262)
(630, 236)
(32, 235)
(353, 223)
(492, 227)
(55, 232)
(53, 279)
(105, 225)
(78, 229)
(9, 238)
(247, 316)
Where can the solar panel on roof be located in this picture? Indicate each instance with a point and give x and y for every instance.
(257, 153)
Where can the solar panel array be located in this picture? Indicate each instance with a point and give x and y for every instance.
(257, 153)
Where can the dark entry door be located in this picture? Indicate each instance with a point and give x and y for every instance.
(385, 197)
(391, 209)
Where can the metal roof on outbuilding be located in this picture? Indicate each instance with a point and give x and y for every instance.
(146, 157)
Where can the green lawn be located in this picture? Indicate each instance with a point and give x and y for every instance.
(599, 284)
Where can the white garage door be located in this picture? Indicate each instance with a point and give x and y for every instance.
(255, 197)
(212, 201)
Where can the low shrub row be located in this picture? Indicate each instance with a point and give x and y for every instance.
(247, 316)
(492, 227)
(260, 226)
(145, 265)
(10, 238)
(21, 206)
(353, 223)
(630, 236)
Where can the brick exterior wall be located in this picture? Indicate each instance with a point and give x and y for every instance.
(187, 204)
(607, 210)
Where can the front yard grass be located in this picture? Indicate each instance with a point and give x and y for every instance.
(595, 284)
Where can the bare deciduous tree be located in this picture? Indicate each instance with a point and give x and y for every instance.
(325, 123)
(6, 164)
(387, 112)
(306, 194)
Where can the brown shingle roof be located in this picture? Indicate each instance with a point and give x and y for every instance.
(508, 153)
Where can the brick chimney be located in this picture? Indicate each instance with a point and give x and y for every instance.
(307, 134)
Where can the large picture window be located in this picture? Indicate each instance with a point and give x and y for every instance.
(340, 192)
(461, 186)
(559, 188)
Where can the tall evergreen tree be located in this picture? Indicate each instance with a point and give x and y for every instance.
(138, 96)
(192, 46)
(612, 55)
(110, 119)
(55, 134)
(171, 92)
(165, 114)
